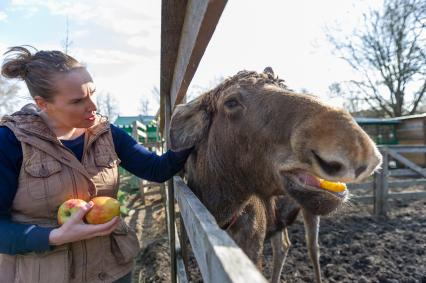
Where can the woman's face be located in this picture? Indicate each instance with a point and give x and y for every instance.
(72, 106)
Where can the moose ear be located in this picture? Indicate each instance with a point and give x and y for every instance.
(189, 123)
(268, 70)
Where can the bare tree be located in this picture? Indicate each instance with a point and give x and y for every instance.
(144, 102)
(107, 105)
(144, 106)
(353, 102)
(197, 90)
(388, 53)
(8, 97)
(156, 93)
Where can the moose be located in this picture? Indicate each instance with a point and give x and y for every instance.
(259, 150)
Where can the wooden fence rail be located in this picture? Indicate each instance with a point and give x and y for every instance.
(382, 182)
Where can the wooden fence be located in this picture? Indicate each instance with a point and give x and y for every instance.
(388, 178)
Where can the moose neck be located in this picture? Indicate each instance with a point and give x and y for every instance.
(222, 187)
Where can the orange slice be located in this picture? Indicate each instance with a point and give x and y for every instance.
(336, 187)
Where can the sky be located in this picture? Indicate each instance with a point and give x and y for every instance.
(119, 41)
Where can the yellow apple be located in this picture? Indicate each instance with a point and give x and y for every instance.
(104, 209)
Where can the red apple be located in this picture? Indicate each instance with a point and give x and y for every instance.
(68, 208)
(103, 210)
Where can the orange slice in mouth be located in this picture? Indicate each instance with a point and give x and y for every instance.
(336, 187)
(308, 179)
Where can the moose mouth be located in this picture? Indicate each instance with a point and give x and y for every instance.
(307, 190)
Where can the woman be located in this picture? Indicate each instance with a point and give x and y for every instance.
(59, 149)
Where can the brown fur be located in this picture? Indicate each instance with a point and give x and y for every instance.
(251, 135)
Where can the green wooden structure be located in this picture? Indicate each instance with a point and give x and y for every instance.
(126, 123)
(146, 132)
(382, 131)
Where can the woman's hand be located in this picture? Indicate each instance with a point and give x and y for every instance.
(76, 230)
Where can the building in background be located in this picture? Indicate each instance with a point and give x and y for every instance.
(405, 131)
(127, 123)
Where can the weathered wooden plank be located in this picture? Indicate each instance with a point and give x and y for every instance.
(218, 257)
(408, 149)
(391, 183)
(360, 186)
(410, 195)
(171, 232)
(363, 199)
(407, 183)
(172, 17)
(200, 22)
(184, 241)
(404, 173)
(406, 162)
(424, 131)
(171, 229)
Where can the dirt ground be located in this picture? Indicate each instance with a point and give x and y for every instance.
(355, 246)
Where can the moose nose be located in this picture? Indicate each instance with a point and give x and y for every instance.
(329, 167)
(360, 170)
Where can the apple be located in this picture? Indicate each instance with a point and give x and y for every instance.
(104, 209)
(69, 208)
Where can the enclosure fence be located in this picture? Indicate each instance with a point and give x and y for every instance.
(397, 171)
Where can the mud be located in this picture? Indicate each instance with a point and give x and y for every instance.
(355, 245)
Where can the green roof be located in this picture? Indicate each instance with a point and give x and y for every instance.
(387, 121)
(126, 123)
(128, 120)
(376, 121)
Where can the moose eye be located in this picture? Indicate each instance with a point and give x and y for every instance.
(231, 103)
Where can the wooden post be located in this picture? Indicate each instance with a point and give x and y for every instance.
(135, 181)
(385, 183)
(424, 140)
(160, 151)
(142, 190)
(171, 205)
(186, 29)
(381, 187)
(184, 246)
(171, 218)
(181, 273)
(135, 131)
